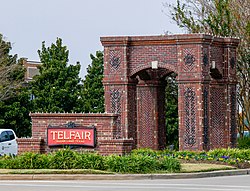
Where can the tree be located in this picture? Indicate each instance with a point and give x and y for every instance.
(171, 106)
(58, 87)
(93, 91)
(222, 18)
(11, 71)
(14, 98)
(14, 113)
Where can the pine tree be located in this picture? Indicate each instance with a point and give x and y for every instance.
(57, 88)
(93, 91)
(14, 113)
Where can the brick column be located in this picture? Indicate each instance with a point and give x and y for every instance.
(151, 130)
(120, 90)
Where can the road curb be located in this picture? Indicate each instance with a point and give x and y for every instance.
(122, 176)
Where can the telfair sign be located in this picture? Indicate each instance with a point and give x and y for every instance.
(71, 136)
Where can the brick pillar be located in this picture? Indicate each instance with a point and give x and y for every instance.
(120, 91)
(190, 116)
(151, 131)
(190, 96)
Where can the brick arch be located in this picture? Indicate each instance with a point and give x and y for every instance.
(206, 105)
(169, 67)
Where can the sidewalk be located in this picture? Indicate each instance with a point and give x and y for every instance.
(122, 176)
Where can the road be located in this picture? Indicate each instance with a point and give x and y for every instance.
(230, 183)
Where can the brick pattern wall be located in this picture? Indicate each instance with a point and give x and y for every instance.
(116, 146)
(218, 118)
(217, 55)
(105, 126)
(30, 145)
(146, 126)
(140, 57)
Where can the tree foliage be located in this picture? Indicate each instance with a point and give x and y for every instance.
(11, 71)
(222, 18)
(93, 91)
(14, 97)
(14, 113)
(171, 107)
(58, 87)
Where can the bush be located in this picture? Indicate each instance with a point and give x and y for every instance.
(145, 152)
(244, 142)
(4, 161)
(142, 161)
(90, 161)
(130, 164)
(240, 154)
(25, 161)
(169, 164)
(139, 161)
(64, 159)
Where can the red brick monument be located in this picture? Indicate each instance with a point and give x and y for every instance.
(135, 69)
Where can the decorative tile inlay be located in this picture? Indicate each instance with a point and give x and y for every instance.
(206, 125)
(189, 59)
(115, 96)
(189, 117)
(233, 130)
(114, 59)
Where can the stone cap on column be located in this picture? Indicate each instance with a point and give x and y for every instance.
(167, 39)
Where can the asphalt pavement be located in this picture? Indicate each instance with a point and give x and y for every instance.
(225, 183)
(123, 176)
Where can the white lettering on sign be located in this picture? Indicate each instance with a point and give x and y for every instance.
(69, 135)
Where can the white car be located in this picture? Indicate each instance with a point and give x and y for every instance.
(8, 142)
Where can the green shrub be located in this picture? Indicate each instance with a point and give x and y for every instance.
(242, 154)
(4, 161)
(141, 163)
(169, 164)
(145, 152)
(130, 163)
(64, 159)
(25, 161)
(32, 161)
(244, 142)
(90, 161)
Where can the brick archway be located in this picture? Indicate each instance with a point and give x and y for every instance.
(133, 67)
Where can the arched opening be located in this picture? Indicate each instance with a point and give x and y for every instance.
(157, 108)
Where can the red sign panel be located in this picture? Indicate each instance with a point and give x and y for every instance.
(71, 136)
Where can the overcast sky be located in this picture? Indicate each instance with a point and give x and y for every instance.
(80, 23)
